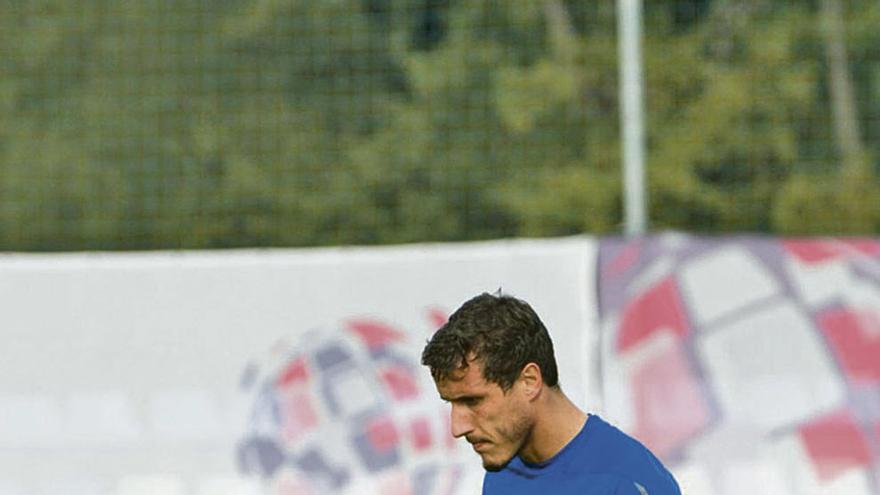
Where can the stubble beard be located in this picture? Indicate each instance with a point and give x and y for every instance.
(514, 437)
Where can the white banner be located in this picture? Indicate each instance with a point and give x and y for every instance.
(747, 364)
(266, 371)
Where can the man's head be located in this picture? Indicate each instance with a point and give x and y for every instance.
(491, 361)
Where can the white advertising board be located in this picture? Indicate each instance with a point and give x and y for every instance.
(147, 373)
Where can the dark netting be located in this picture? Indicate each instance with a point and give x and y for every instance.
(197, 124)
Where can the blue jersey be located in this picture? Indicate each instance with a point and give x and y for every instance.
(600, 460)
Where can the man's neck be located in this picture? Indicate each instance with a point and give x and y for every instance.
(557, 422)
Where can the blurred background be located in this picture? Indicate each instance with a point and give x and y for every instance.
(151, 124)
(738, 337)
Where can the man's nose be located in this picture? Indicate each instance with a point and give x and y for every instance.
(461, 421)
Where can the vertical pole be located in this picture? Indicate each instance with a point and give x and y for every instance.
(629, 35)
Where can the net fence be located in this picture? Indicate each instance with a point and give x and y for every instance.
(159, 124)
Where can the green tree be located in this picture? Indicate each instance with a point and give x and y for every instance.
(139, 124)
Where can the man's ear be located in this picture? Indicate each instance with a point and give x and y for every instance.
(532, 380)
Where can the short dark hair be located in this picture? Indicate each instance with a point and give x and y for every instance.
(502, 332)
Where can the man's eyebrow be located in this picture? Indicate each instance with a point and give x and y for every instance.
(461, 397)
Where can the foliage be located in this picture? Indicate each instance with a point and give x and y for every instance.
(142, 124)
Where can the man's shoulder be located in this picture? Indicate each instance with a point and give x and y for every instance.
(602, 446)
(601, 460)
(583, 484)
(633, 467)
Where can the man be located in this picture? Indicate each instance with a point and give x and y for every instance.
(493, 361)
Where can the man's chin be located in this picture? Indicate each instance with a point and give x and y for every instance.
(494, 466)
